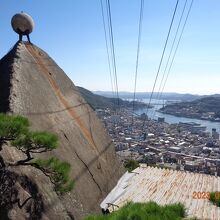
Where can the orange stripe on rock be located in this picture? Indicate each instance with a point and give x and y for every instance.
(59, 94)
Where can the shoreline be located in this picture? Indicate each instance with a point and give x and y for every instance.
(187, 116)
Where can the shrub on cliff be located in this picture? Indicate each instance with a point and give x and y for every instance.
(131, 165)
(15, 132)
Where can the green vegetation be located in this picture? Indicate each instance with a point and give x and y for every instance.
(197, 108)
(144, 211)
(131, 165)
(215, 198)
(98, 101)
(58, 171)
(15, 132)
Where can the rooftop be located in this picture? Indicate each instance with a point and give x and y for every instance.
(165, 187)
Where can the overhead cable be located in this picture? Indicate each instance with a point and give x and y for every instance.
(161, 60)
(177, 46)
(107, 48)
(138, 52)
(113, 49)
(168, 60)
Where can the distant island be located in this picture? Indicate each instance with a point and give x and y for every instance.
(206, 108)
(101, 102)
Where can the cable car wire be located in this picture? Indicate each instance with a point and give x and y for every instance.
(161, 60)
(168, 60)
(113, 49)
(137, 56)
(177, 46)
(107, 48)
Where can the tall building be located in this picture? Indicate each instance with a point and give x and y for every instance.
(215, 134)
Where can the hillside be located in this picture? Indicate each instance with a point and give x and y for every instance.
(98, 101)
(34, 86)
(171, 96)
(207, 108)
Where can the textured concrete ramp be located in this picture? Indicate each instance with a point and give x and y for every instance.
(32, 84)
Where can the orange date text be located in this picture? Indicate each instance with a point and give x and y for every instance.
(201, 195)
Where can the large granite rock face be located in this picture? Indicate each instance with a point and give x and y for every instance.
(33, 85)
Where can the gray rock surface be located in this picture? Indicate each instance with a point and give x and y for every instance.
(33, 85)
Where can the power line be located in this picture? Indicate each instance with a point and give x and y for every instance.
(112, 48)
(161, 60)
(110, 44)
(168, 60)
(177, 46)
(107, 48)
(138, 52)
(112, 59)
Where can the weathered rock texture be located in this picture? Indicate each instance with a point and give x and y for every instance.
(33, 85)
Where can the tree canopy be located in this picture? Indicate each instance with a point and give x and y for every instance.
(15, 131)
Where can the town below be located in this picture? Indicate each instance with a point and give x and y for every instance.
(178, 146)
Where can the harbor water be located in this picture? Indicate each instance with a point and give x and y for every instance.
(171, 119)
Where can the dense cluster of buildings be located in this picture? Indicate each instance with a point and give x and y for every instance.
(182, 146)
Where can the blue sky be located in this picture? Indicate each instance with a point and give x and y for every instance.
(71, 32)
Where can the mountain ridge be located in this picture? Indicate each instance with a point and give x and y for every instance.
(146, 95)
(98, 101)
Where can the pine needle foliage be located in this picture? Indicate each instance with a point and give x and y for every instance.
(15, 130)
(58, 171)
(36, 141)
(12, 126)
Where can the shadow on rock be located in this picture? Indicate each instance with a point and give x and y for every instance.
(19, 193)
